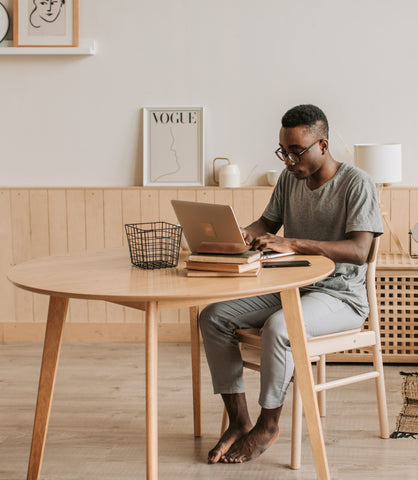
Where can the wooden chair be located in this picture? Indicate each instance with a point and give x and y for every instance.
(319, 347)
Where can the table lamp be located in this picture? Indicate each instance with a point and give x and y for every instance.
(384, 164)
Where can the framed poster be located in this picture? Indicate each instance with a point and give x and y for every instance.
(173, 146)
(4, 22)
(45, 23)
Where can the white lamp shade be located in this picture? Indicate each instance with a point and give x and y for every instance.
(382, 162)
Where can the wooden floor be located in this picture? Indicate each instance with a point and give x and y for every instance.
(97, 421)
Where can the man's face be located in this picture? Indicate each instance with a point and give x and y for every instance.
(48, 9)
(295, 140)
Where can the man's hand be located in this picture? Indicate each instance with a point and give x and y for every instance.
(247, 236)
(274, 242)
(258, 229)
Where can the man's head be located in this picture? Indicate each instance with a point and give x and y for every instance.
(307, 115)
(304, 140)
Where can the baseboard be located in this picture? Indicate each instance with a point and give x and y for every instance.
(94, 332)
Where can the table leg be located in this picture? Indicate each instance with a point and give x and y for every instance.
(296, 329)
(151, 354)
(53, 336)
(196, 381)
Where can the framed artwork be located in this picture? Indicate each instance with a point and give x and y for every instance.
(4, 22)
(45, 23)
(173, 146)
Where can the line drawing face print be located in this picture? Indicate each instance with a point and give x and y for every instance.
(45, 11)
(177, 166)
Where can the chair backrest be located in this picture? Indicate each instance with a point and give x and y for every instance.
(371, 265)
(371, 287)
(374, 248)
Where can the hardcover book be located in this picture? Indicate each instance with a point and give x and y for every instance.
(223, 267)
(247, 257)
(203, 273)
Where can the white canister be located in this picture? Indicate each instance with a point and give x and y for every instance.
(229, 175)
(272, 177)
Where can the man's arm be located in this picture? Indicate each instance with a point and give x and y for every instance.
(353, 249)
(260, 227)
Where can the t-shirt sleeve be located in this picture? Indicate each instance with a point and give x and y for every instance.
(363, 212)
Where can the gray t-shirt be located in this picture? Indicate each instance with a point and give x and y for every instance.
(346, 203)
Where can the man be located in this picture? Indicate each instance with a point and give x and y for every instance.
(327, 208)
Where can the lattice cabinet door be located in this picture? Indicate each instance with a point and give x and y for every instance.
(397, 297)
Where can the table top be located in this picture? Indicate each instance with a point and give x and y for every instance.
(109, 275)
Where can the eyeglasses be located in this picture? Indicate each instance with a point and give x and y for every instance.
(292, 156)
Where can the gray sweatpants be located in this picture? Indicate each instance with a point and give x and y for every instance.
(322, 314)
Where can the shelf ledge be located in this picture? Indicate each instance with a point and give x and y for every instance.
(87, 47)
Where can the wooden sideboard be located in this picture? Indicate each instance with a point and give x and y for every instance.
(397, 292)
(37, 222)
(397, 298)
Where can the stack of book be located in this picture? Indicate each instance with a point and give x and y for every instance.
(245, 264)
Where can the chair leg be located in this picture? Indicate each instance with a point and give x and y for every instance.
(381, 393)
(196, 377)
(321, 378)
(224, 424)
(296, 441)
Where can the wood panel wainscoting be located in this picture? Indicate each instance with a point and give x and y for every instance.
(38, 222)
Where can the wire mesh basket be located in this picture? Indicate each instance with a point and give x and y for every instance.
(154, 244)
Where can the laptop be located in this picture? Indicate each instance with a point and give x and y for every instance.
(207, 222)
(210, 222)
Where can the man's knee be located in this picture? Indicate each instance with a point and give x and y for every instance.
(275, 330)
(209, 317)
(205, 317)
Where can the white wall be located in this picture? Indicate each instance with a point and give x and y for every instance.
(74, 121)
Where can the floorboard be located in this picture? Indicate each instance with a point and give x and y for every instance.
(97, 420)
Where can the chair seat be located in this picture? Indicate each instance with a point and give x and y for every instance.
(320, 345)
(341, 341)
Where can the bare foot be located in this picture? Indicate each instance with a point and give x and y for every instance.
(251, 445)
(231, 435)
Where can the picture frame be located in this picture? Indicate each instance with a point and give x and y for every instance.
(4, 22)
(45, 23)
(173, 146)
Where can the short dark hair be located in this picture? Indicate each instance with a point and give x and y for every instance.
(310, 115)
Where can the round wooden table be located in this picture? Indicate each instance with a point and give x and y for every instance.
(109, 276)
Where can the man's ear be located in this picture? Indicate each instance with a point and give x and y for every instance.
(323, 145)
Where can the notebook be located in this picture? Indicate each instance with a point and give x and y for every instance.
(210, 222)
